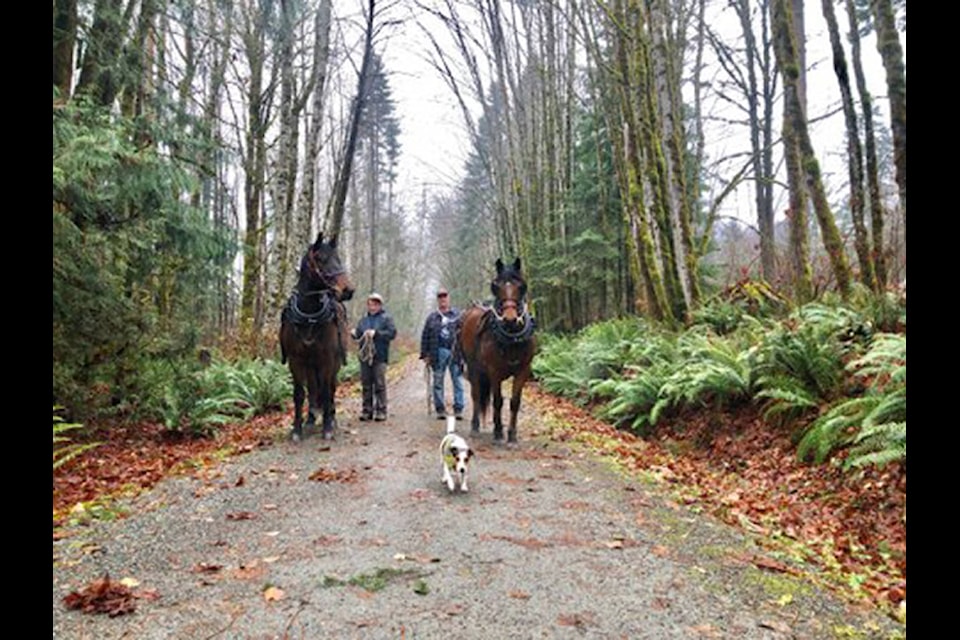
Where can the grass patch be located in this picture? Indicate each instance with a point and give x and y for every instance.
(377, 580)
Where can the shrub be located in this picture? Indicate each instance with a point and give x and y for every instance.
(874, 426)
(63, 449)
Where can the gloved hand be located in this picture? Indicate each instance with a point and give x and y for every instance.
(369, 333)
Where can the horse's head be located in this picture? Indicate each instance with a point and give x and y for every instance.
(321, 269)
(509, 290)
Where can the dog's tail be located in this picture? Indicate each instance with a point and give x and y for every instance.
(451, 424)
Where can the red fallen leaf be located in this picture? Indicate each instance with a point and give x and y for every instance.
(240, 482)
(203, 567)
(772, 565)
(519, 595)
(102, 596)
(896, 594)
(344, 476)
(575, 620)
(147, 594)
(241, 515)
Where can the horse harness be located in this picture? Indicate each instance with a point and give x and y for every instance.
(505, 337)
(308, 324)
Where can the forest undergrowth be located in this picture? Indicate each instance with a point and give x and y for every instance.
(788, 423)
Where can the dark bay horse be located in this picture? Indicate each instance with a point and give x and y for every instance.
(498, 343)
(314, 332)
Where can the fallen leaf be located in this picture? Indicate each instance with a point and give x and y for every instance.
(785, 599)
(519, 595)
(776, 625)
(130, 582)
(269, 507)
(203, 567)
(271, 559)
(614, 544)
(147, 594)
(241, 515)
(772, 565)
(272, 594)
(240, 482)
(575, 620)
(102, 596)
(661, 551)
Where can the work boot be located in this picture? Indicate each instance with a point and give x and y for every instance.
(381, 416)
(441, 414)
(364, 417)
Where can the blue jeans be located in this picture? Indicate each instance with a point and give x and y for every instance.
(444, 361)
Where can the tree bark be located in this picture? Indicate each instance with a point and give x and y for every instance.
(64, 41)
(854, 151)
(888, 44)
(100, 70)
(334, 215)
(870, 149)
(796, 127)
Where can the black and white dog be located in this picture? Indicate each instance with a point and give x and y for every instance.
(456, 454)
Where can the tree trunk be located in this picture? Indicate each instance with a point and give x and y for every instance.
(888, 44)
(334, 216)
(258, 107)
(796, 124)
(64, 41)
(854, 151)
(321, 55)
(101, 67)
(870, 148)
(759, 139)
(797, 212)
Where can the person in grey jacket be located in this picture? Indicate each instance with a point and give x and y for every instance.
(374, 331)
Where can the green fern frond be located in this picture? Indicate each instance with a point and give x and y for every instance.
(833, 429)
(879, 445)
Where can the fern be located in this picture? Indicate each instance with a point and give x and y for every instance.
(786, 399)
(878, 445)
(709, 369)
(874, 426)
(66, 452)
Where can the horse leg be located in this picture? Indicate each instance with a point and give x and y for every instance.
(516, 392)
(328, 390)
(497, 410)
(297, 407)
(475, 397)
(313, 397)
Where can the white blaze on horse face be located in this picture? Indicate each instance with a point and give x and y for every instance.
(511, 293)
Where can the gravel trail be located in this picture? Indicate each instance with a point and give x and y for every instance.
(550, 542)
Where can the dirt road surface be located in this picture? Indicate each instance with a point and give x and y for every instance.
(358, 538)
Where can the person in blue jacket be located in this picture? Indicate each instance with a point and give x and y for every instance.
(374, 331)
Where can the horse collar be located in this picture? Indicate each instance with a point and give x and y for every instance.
(326, 312)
